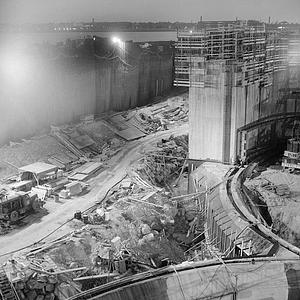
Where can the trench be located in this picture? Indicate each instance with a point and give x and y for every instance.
(258, 206)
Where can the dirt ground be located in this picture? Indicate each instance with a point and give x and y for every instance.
(138, 222)
(40, 148)
(142, 222)
(38, 227)
(284, 209)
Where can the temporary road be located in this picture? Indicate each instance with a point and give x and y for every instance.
(41, 226)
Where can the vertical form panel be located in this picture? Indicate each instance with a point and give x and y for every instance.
(103, 85)
(227, 113)
(60, 91)
(237, 116)
(206, 119)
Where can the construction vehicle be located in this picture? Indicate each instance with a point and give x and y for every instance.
(15, 205)
(291, 156)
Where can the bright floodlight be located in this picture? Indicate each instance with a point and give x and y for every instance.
(115, 40)
(119, 43)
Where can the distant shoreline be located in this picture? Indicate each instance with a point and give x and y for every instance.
(21, 38)
(87, 31)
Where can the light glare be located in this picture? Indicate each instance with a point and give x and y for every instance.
(115, 40)
(15, 67)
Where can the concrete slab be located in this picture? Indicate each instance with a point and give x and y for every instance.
(78, 176)
(263, 279)
(91, 168)
(125, 129)
(38, 168)
(131, 134)
(82, 141)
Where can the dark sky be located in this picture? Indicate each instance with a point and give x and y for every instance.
(35, 11)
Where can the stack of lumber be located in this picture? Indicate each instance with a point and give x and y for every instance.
(85, 171)
(158, 166)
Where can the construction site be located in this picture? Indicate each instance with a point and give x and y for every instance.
(144, 190)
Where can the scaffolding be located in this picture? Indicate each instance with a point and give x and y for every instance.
(294, 48)
(254, 51)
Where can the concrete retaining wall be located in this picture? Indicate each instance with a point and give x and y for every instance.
(59, 90)
(229, 232)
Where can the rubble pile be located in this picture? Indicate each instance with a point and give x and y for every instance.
(133, 240)
(149, 122)
(173, 111)
(176, 114)
(38, 278)
(159, 165)
(144, 221)
(280, 192)
(5, 228)
(137, 227)
(280, 189)
(44, 287)
(141, 218)
(155, 117)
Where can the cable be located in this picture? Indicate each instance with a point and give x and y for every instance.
(208, 283)
(254, 270)
(115, 57)
(125, 63)
(277, 205)
(105, 57)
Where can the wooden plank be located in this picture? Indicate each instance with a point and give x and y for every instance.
(91, 168)
(82, 141)
(65, 158)
(78, 176)
(54, 161)
(96, 276)
(131, 134)
(82, 167)
(69, 270)
(125, 129)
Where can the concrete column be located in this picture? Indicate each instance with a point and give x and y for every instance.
(208, 115)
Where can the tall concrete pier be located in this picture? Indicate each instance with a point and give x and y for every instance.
(237, 75)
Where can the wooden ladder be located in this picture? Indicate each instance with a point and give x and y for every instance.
(6, 288)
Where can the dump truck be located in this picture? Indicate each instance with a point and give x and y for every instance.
(15, 205)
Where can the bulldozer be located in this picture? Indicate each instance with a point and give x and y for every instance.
(15, 205)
